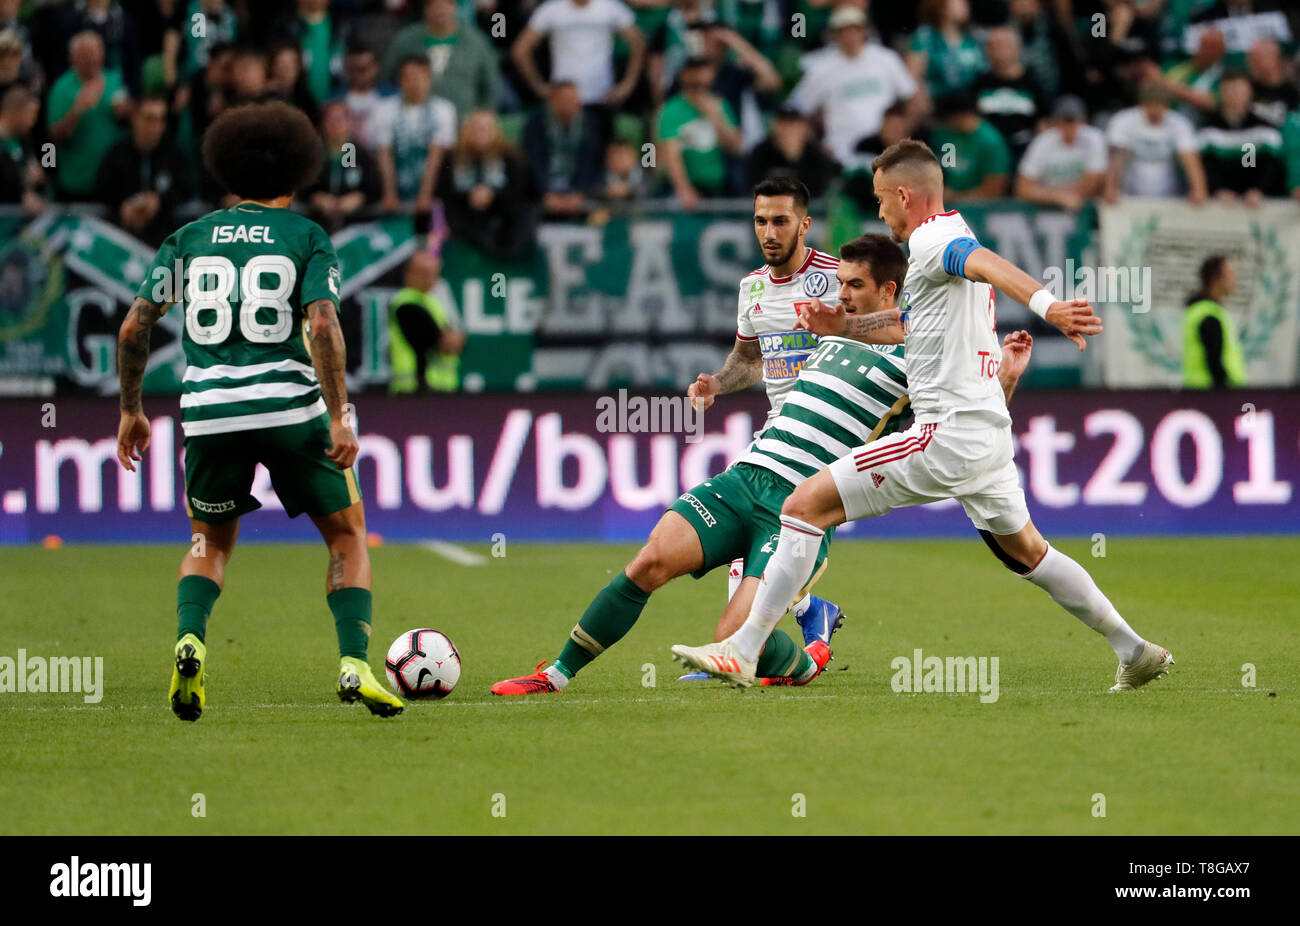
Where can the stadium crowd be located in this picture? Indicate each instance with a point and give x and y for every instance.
(480, 116)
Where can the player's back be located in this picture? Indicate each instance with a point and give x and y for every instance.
(843, 393)
(248, 274)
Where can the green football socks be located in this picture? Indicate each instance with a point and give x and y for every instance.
(195, 596)
(351, 610)
(607, 620)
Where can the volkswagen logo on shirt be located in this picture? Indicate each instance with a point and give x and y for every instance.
(815, 283)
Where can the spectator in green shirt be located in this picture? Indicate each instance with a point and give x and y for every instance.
(975, 158)
(943, 54)
(315, 34)
(697, 130)
(460, 57)
(84, 107)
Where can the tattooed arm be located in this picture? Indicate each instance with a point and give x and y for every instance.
(329, 357)
(742, 368)
(881, 327)
(132, 359)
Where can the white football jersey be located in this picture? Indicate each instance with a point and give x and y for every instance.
(949, 327)
(766, 313)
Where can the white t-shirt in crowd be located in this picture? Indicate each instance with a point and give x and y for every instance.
(853, 93)
(1051, 162)
(582, 42)
(1152, 168)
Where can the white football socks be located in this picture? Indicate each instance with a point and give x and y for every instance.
(557, 678)
(735, 574)
(1073, 589)
(787, 571)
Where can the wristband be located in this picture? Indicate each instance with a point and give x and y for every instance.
(1040, 302)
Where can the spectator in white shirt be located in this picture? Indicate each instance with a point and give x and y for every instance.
(1066, 164)
(581, 34)
(853, 84)
(1148, 144)
(412, 131)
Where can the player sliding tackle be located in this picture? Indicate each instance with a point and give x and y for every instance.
(261, 283)
(960, 445)
(846, 394)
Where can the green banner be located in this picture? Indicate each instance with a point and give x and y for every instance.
(643, 300)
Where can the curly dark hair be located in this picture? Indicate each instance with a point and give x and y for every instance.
(263, 150)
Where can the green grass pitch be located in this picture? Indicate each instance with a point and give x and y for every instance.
(276, 752)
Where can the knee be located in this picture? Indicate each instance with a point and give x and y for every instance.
(649, 569)
(801, 504)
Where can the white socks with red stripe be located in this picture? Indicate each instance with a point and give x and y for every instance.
(1073, 589)
(735, 574)
(787, 571)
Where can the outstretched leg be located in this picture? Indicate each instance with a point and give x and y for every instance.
(673, 549)
(1029, 555)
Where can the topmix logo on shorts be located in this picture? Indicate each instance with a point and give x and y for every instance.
(76, 878)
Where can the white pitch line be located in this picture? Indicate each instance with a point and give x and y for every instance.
(457, 554)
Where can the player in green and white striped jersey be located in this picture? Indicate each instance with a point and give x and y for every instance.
(847, 394)
(259, 286)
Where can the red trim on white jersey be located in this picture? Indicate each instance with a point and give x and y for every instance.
(938, 214)
(741, 337)
(808, 260)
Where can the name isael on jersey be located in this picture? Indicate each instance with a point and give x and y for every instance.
(253, 234)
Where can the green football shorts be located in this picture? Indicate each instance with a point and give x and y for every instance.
(737, 513)
(219, 472)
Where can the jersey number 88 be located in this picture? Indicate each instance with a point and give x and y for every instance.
(210, 284)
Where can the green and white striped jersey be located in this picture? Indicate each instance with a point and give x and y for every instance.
(845, 389)
(248, 273)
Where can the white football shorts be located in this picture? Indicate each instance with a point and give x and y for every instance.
(930, 463)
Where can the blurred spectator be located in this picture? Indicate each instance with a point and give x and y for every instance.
(212, 89)
(1241, 152)
(1045, 47)
(1212, 357)
(287, 80)
(250, 77)
(363, 97)
(859, 178)
(852, 85)
(486, 190)
(975, 158)
(424, 342)
(697, 130)
(1291, 152)
(789, 151)
(460, 58)
(624, 179)
(581, 34)
(319, 39)
(1148, 144)
(1196, 80)
(143, 177)
(17, 66)
(943, 53)
(83, 110)
(13, 70)
(1119, 47)
(1066, 164)
(220, 27)
(158, 26)
(1007, 95)
(563, 145)
(744, 75)
(21, 176)
(349, 181)
(115, 29)
(412, 132)
(1275, 93)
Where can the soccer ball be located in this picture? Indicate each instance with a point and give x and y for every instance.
(423, 664)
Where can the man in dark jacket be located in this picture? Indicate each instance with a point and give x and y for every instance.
(562, 141)
(143, 178)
